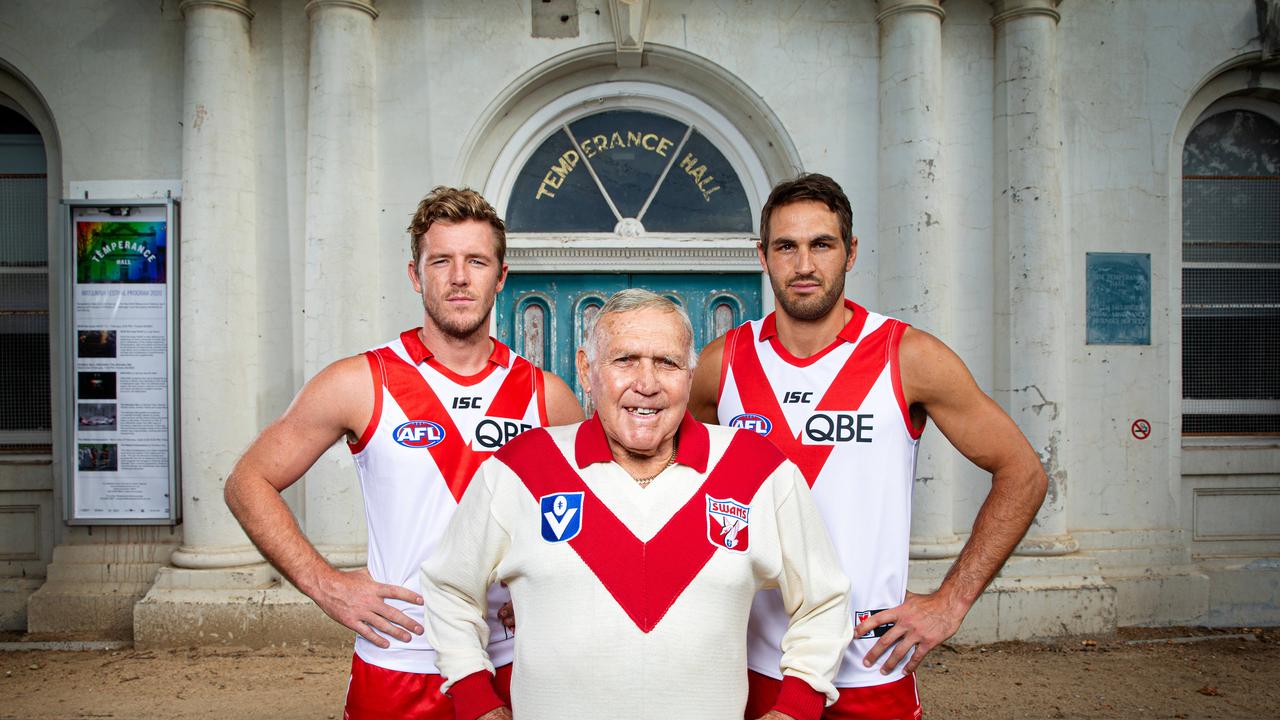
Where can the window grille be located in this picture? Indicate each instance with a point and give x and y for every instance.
(24, 313)
(1231, 276)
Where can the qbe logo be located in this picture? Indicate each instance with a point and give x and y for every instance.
(418, 434)
(758, 424)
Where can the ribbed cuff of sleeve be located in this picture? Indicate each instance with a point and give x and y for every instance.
(799, 700)
(474, 696)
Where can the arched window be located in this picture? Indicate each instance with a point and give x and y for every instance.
(626, 184)
(628, 172)
(1231, 274)
(25, 411)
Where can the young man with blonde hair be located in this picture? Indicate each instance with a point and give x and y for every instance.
(419, 414)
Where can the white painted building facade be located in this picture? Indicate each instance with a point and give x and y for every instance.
(987, 147)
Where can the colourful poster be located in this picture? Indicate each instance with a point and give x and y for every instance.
(122, 469)
(116, 251)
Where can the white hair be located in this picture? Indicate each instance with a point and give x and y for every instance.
(630, 300)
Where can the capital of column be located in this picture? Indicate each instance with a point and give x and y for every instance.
(896, 7)
(1006, 10)
(314, 6)
(240, 6)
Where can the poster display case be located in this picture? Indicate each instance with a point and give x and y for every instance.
(123, 385)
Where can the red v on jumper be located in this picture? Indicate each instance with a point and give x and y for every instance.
(645, 578)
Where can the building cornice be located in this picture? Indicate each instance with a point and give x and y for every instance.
(1006, 10)
(607, 253)
(240, 6)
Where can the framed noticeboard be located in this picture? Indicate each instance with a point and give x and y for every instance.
(122, 343)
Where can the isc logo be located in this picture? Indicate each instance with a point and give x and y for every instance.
(418, 434)
(758, 424)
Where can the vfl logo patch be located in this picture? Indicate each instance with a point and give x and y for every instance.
(418, 434)
(877, 631)
(561, 516)
(758, 424)
(727, 524)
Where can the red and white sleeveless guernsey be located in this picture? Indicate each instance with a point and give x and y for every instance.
(430, 430)
(839, 415)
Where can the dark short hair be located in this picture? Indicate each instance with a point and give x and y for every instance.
(451, 205)
(810, 186)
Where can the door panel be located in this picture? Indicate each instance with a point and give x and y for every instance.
(545, 316)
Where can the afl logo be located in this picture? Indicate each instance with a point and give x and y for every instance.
(750, 421)
(418, 434)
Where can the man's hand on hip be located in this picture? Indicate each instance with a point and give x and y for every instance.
(357, 601)
(775, 715)
(922, 622)
(501, 713)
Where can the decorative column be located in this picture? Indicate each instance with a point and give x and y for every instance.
(218, 278)
(340, 295)
(213, 591)
(1030, 239)
(915, 260)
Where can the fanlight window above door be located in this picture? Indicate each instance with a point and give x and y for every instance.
(628, 172)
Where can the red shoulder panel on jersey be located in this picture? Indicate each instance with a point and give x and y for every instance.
(726, 355)
(517, 389)
(895, 372)
(379, 381)
(644, 578)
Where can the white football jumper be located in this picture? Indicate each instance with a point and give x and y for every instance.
(431, 428)
(633, 602)
(841, 416)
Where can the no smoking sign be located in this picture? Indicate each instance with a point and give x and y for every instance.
(1141, 429)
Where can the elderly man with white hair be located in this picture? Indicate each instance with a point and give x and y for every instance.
(633, 544)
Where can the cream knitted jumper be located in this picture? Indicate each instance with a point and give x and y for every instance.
(632, 602)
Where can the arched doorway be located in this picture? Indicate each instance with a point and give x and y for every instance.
(578, 261)
(626, 185)
(30, 424)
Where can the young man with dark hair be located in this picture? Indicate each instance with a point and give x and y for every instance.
(419, 415)
(845, 394)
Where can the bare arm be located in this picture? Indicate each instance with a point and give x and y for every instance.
(336, 402)
(936, 381)
(562, 404)
(705, 395)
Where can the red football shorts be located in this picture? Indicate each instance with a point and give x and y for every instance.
(892, 701)
(379, 694)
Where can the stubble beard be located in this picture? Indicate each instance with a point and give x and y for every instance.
(458, 327)
(808, 309)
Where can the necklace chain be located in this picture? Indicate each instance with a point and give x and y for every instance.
(643, 482)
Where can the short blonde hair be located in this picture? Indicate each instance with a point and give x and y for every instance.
(451, 205)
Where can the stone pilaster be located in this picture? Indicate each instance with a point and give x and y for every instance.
(915, 260)
(341, 249)
(215, 568)
(218, 275)
(1029, 232)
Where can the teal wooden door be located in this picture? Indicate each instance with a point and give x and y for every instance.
(544, 316)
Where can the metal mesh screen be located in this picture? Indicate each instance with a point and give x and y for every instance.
(1231, 305)
(24, 309)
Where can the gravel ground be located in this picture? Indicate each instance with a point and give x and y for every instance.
(1147, 673)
